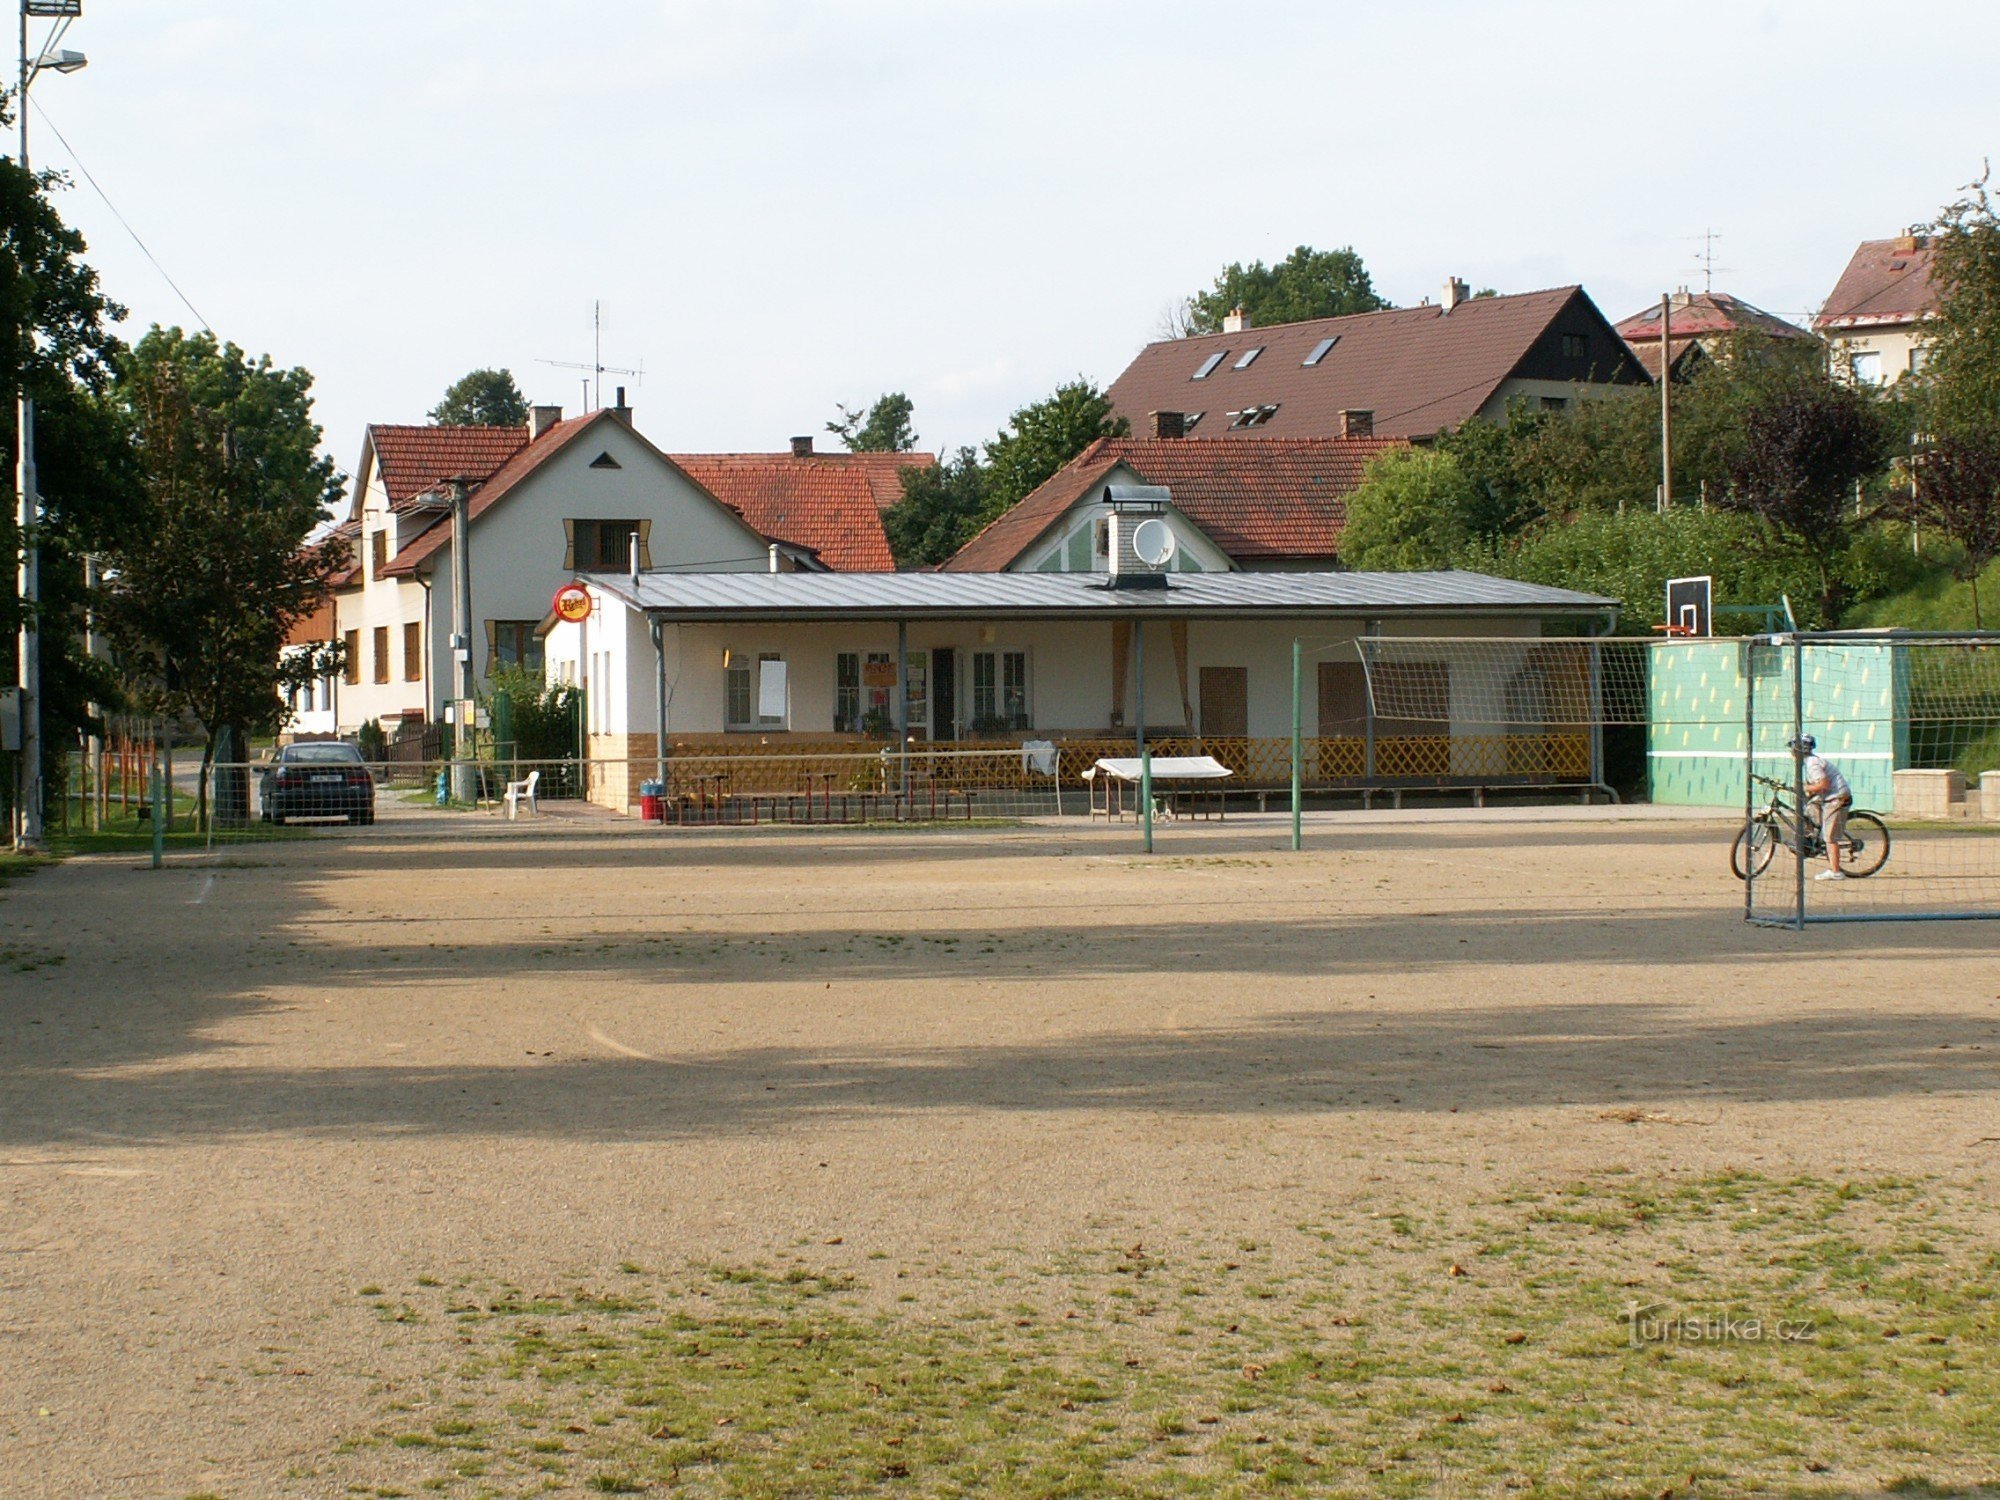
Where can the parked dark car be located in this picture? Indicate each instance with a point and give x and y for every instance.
(319, 779)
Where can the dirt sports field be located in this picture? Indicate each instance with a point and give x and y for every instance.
(1480, 1155)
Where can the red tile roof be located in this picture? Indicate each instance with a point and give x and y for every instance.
(831, 503)
(1888, 282)
(1256, 497)
(1418, 369)
(524, 461)
(1705, 315)
(414, 460)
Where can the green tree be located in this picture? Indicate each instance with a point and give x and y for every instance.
(482, 398)
(941, 508)
(1809, 445)
(210, 582)
(58, 349)
(1308, 283)
(1962, 376)
(1409, 512)
(1956, 490)
(1503, 497)
(1043, 436)
(881, 428)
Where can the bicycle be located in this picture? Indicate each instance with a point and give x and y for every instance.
(1865, 851)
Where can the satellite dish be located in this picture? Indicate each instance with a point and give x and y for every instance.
(1154, 543)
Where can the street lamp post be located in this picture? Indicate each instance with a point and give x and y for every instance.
(27, 501)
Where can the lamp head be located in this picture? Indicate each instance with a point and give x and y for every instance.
(61, 60)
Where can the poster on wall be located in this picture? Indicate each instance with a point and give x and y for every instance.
(770, 690)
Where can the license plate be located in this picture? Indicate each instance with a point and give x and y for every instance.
(334, 776)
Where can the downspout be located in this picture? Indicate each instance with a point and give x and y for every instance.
(658, 632)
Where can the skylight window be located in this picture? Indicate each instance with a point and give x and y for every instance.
(1248, 359)
(1189, 419)
(1253, 416)
(1208, 365)
(1320, 350)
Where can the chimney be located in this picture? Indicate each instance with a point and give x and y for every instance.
(802, 447)
(1236, 320)
(1168, 424)
(1357, 422)
(621, 411)
(1455, 292)
(541, 419)
(1907, 244)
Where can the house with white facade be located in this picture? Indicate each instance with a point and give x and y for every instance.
(545, 502)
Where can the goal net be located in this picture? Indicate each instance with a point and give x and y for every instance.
(1912, 722)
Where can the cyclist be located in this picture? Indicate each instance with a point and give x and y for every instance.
(1826, 786)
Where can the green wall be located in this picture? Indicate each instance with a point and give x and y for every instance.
(1695, 692)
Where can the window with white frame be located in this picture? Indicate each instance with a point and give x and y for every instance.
(1867, 367)
(754, 691)
(1000, 690)
(862, 687)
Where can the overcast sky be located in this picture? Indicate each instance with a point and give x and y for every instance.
(784, 204)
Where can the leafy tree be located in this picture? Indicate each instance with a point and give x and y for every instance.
(53, 318)
(1308, 283)
(1043, 436)
(210, 582)
(941, 508)
(1409, 512)
(1956, 490)
(1503, 495)
(1962, 376)
(882, 428)
(1808, 446)
(482, 398)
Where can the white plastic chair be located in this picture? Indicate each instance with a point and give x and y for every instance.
(519, 792)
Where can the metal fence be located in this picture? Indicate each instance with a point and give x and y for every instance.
(1915, 715)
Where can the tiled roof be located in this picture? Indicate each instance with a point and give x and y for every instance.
(831, 503)
(414, 460)
(1257, 498)
(1886, 283)
(1418, 369)
(525, 460)
(1703, 315)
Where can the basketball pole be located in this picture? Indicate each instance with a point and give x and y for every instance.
(1297, 777)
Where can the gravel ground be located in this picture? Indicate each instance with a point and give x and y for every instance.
(234, 1092)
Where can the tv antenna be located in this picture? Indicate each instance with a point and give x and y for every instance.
(593, 385)
(1706, 256)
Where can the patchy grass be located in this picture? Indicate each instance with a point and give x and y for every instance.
(1613, 1336)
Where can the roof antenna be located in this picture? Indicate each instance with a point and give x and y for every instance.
(593, 384)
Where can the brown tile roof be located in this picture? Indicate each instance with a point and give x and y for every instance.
(525, 460)
(414, 460)
(1256, 497)
(1888, 282)
(831, 503)
(1704, 315)
(1418, 369)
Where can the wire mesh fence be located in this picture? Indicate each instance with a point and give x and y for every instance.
(1910, 725)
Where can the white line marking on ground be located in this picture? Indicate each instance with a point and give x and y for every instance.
(616, 1046)
(206, 886)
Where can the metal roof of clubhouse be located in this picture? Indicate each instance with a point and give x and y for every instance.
(667, 595)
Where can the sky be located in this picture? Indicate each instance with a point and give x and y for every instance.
(787, 204)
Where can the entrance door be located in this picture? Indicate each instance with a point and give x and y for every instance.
(1343, 699)
(1225, 701)
(944, 694)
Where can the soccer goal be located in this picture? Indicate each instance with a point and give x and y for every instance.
(1911, 721)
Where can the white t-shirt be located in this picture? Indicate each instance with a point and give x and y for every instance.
(1819, 768)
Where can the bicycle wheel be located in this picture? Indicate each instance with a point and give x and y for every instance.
(1867, 845)
(1753, 849)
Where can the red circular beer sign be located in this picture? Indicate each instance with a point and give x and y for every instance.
(572, 603)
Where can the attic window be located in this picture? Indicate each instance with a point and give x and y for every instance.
(1320, 351)
(1248, 359)
(605, 461)
(1208, 365)
(1252, 416)
(1575, 346)
(1188, 419)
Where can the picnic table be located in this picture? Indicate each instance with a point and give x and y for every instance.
(1179, 782)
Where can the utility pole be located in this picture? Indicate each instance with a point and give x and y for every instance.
(1666, 403)
(464, 788)
(27, 500)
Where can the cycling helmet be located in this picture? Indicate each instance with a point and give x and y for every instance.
(1803, 745)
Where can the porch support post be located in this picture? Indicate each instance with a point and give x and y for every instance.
(902, 716)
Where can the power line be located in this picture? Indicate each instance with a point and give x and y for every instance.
(57, 132)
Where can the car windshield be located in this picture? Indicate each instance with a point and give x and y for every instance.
(330, 752)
